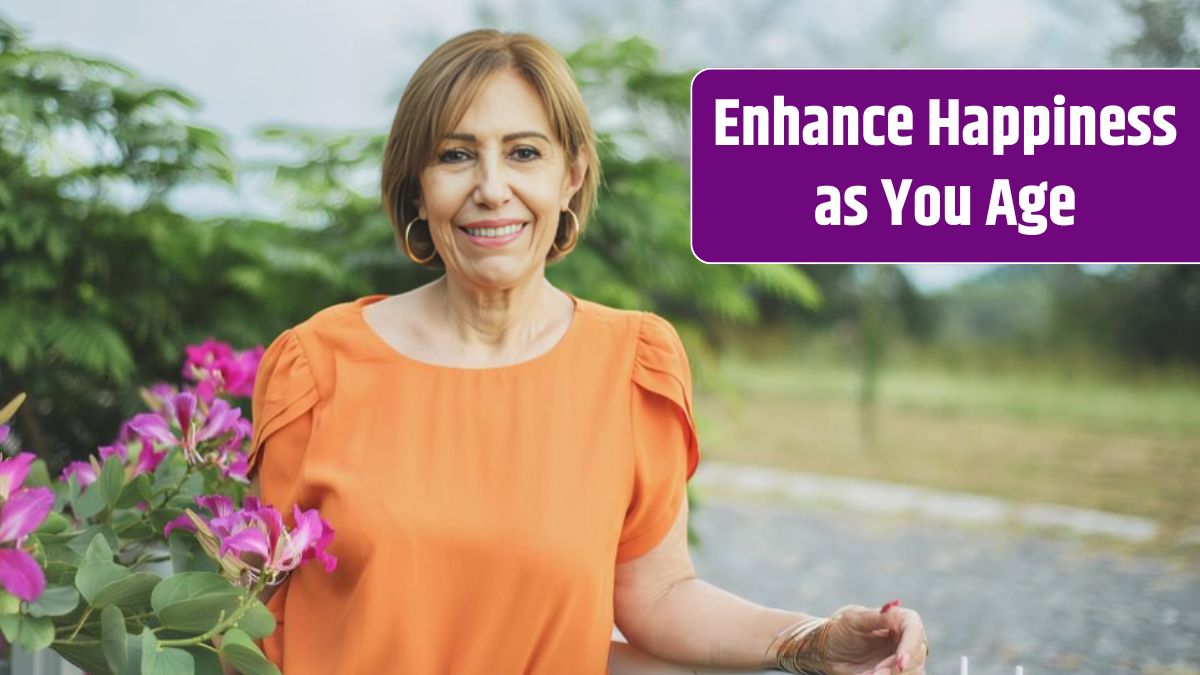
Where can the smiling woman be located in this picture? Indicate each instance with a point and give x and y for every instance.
(505, 464)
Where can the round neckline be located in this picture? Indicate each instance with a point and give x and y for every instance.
(361, 304)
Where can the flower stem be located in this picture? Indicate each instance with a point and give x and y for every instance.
(86, 613)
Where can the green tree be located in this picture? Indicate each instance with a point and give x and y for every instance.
(101, 283)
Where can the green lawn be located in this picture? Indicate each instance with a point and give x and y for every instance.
(1092, 441)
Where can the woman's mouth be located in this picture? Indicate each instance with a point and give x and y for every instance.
(492, 235)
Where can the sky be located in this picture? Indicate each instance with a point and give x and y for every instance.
(342, 65)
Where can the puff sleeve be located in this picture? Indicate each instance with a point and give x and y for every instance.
(665, 447)
(284, 394)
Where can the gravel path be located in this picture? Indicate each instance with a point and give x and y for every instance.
(1000, 597)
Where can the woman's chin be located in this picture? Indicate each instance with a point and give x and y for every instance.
(498, 272)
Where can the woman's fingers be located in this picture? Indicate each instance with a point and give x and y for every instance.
(911, 651)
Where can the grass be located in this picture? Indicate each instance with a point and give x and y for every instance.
(1092, 440)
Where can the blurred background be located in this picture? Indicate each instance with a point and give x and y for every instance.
(1015, 449)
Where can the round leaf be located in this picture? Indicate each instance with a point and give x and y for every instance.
(94, 577)
(33, 633)
(164, 661)
(113, 638)
(55, 601)
(240, 650)
(132, 590)
(258, 622)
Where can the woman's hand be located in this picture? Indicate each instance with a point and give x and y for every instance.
(876, 642)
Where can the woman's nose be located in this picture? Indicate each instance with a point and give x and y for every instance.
(492, 188)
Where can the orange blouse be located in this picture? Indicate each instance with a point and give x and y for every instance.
(479, 512)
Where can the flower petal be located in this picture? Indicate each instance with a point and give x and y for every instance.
(24, 511)
(152, 425)
(183, 522)
(117, 449)
(20, 574)
(184, 408)
(85, 474)
(221, 419)
(218, 505)
(13, 472)
(250, 540)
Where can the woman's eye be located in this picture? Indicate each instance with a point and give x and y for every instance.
(452, 156)
(526, 153)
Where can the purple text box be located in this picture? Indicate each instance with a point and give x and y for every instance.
(756, 203)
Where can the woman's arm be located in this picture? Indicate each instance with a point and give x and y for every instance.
(662, 608)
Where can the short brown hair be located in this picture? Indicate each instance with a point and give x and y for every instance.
(437, 97)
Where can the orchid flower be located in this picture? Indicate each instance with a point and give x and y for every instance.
(195, 426)
(216, 369)
(22, 512)
(85, 473)
(252, 542)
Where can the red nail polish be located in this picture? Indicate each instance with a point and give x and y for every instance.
(886, 607)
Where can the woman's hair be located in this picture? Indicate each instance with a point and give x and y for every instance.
(437, 97)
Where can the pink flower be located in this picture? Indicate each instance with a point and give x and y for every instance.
(85, 473)
(13, 472)
(252, 541)
(155, 396)
(205, 356)
(22, 512)
(194, 426)
(217, 369)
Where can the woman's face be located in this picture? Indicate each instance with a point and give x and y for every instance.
(496, 186)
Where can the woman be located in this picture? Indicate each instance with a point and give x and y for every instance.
(504, 463)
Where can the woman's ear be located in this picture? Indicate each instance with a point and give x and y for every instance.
(576, 171)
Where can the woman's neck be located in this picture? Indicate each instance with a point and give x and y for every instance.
(501, 322)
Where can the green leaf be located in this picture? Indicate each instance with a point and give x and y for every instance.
(55, 601)
(95, 548)
(89, 658)
(27, 632)
(111, 481)
(258, 622)
(9, 603)
(207, 662)
(239, 650)
(94, 577)
(194, 601)
(54, 523)
(133, 590)
(38, 476)
(164, 661)
(113, 638)
(134, 492)
(89, 503)
(133, 647)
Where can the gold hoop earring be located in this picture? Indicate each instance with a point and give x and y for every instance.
(574, 238)
(408, 249)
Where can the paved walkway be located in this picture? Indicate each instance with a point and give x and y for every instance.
(1001, 596)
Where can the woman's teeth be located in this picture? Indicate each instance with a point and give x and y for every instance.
(494, 231)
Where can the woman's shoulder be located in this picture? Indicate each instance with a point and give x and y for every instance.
(305, 351)
(654, 340)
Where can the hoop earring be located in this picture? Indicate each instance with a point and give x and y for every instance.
(559, 252)
(408, 249)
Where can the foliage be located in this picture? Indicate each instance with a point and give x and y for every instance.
(1166, 36)
(100, 281)
(112, 567)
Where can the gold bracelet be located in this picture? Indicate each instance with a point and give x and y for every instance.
(802, 647)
